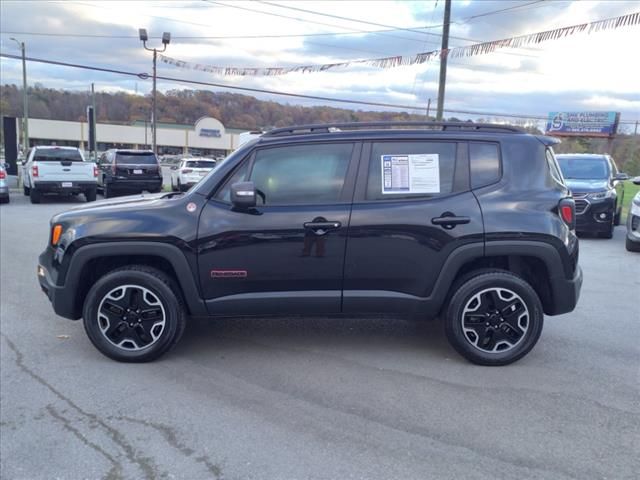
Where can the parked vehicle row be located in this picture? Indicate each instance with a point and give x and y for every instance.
(468, 221)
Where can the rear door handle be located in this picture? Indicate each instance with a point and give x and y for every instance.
(449, 220)
(321, 228)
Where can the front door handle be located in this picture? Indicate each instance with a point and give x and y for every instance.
(448, 220)
(321, 228)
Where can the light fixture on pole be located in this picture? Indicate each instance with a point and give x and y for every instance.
(166, 39)
(25, 101)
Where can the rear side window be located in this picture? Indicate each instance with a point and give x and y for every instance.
(412, 169)
(484, 161)
(132, 158)
(57, 155)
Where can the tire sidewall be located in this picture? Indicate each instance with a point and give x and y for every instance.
(453, 323)
(164, 293)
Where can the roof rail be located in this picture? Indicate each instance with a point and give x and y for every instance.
(440, 126)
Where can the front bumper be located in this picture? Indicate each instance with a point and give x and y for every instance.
(63, 304)
(64, 187)
(633, 224)
(595, 215)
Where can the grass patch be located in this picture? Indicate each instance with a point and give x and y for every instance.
(630, 190)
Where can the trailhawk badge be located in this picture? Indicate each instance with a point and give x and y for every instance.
(228, 274)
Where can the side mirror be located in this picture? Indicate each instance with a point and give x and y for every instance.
(621, 176)
(175, 167)
(243, 195)
(636, 180)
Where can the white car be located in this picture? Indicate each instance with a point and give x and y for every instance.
(189, 172)
(4, 186)
(61, 170)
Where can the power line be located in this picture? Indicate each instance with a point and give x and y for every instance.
(145, 76)
(355, 30)
(273, 14)
(441, 25)
(411, 30)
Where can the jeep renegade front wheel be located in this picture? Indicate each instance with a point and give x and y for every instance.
(494, 318)
(133, 315)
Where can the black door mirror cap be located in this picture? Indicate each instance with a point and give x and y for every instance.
(243, 195)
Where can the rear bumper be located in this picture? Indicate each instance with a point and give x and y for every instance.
(566, 293)
(58, 187)
(4, 190)
(135, 184)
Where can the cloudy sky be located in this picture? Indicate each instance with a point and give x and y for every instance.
(599, 71)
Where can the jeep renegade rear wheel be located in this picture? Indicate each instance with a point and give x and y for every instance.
(133, 315)
(494, 318)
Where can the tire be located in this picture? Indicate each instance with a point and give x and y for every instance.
(180, 188)
(616, 217)
(6, 199)
(25, 190)
(34, 195)
(90, 194)
(173, 187)
(631, 246)
(131, 287)
(508, 338)
(108, 192)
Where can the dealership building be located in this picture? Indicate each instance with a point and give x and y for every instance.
(207, 137)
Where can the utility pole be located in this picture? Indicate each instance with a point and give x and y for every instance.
(635, 131)
(25, 100)
(443, 58)
(166, 39)
(428, 108)
(95, 127)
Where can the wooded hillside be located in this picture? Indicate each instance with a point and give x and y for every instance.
(245, 112)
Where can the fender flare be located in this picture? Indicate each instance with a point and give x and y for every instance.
(184, 274)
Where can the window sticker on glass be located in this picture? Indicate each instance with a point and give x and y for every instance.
(418, 173)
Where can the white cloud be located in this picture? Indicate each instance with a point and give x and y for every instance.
(585, 71)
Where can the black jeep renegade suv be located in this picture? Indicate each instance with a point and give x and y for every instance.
(468, 221)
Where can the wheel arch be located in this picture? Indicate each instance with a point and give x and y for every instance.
(538, 263)
(91, 262)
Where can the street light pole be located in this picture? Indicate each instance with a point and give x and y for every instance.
(25, 101)
(166, 39)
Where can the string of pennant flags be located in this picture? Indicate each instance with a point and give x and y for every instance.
(483, 48)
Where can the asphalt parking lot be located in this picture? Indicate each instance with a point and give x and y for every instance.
(320, 398)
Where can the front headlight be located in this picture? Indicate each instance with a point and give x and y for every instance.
(601, 195)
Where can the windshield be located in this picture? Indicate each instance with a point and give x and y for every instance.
(583, 168)
(57, 155)
(132, 158)
(200, 164)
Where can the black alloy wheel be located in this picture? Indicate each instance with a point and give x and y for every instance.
(494, 318)
(134, 314)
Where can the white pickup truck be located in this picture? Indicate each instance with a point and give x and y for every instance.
(62, 170)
